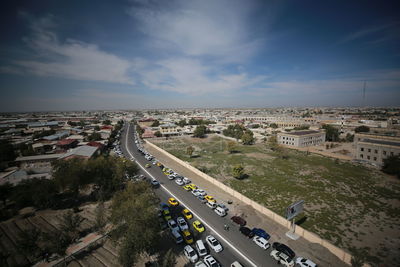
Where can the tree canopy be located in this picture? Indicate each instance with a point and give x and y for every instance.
(332, 133)
(200, 131)
(391, 165)
(361, 129)
(155, 123)
(238, 171)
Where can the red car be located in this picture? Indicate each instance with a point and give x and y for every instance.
(238, 220)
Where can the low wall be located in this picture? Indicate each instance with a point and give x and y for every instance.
(313, 238)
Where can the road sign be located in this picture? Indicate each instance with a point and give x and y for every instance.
(294, 209)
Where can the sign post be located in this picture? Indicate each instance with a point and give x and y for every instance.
(291, 212)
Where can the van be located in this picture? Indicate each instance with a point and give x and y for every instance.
(211, 205)
(236, 264)
(201, 249)
(220, 211)
(176, 236)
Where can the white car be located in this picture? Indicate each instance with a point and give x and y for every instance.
(172, 225)
(201, 248)
(282, 258)
(186, 180)
(200, 264)
(201, 192)
(220, 211)
(182, 224)
(214, 243)
(171, 177)
(261, 242)
(190, 253)
(179, 181)
(210, 261)
(194, 192)
(302, 262)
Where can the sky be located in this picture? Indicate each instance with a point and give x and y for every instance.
(143, 54)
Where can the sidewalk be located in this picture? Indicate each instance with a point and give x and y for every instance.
(315, 252)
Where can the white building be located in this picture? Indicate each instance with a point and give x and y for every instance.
(301, 138)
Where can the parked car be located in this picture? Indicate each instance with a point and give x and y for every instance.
(172, 225)
(188, 215)
(198, 226)
(186, 180)
(210, 198)
(187, 236)
(200, 264)
(223, 206)
(202, 199)
(210, 261)
(214, 243)
(220, 211)
(238, 220)
(155, 183)
(201, 192)
(246, 231)
(282, 258)
(201, 248)
(284, 249)
(173, 202)
(261, 232)
(182, 224)
(261, 242)
(190, 253)
(179, 181)
(211, 205)
(236, 264)
(303, 262)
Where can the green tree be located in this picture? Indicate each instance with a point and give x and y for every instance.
(357, 261)
(134, 234)
(5, 192)
(236, 131)
(27, 243)
(158, 134)
(247, 138)
(95, 136)
(107, 122)
(200, 131)
(69, 225)
(332, 133)
(182, 123)
(97, 128)
(189, 151)
(273, 143)
(6, 151)
(169, 259)
(71, 175)
(231, 145)
(361, 129)
(238, 171)
(155, 123)
(349, 137)
(391, 165)
(100, 217)
(273, 125)
(302, 127)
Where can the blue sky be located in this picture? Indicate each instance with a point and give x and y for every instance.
(73, 55)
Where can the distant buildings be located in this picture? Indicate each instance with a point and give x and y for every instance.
(301, 138)
(168, 129)
(374, 148)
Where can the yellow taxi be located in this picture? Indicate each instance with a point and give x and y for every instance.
(192, 186)
(187, 187)
(187, 236)
(210, 199)
(187, 214)
(198, 226)
(173, 202)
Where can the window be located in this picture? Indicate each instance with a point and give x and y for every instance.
(391, 153)
(384, 152)
(376, 151)
(368, 157)
(362, 149)
(374, 158)
(361, 156)
(369, 149)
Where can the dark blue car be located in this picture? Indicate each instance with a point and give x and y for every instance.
(261, 233)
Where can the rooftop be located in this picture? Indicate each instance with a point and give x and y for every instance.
(381, 142)
(39, 157)
(300, 133)
(82, 151)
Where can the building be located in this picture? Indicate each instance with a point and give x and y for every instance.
(374, 148)
(37, 161)
(66, 144)
(168, 129)
(82, 152)
(301, 138)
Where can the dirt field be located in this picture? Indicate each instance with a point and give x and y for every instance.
(354, 207)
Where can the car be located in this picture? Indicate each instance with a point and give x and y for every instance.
(201, 248)
(155, 183)
(154, 162)
(190, 253)
(186, 180)
(223, 206)
(200, 264)
(201, 192)
(246, 231)
(261, 242)
(179, 181)
(147, 165)
(182, 224)
(188, 215)
(210, 261)
(214, 243)
(159, 164)
(173, 202)
(202, 199)
(303, 262)
(261, 232)
(172, 225)
(211, 205)
(198, 226)
(167, 215)
(162, 223)
(284, 249)
(171, 177)
(236, 264)
(220, 211)
(238, 220)
(164, 206)
(210, 198)
(187, 236)
(187, 187)
(194, 192)
(192, 186)
(282, 258)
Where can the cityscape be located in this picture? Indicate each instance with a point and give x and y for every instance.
(200, 133)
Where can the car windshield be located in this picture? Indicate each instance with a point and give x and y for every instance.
(199, 225)
(214, 242)
(191, 253)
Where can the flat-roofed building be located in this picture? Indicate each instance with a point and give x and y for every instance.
(374, 148)
(168, 129)
(301, 138)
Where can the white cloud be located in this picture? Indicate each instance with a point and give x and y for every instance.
(71, 59)
(200, 28)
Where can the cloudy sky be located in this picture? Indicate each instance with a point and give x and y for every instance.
(73, 55)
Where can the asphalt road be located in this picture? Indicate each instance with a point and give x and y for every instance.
(236, 246)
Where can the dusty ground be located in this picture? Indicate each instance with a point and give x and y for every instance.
(354, 207)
